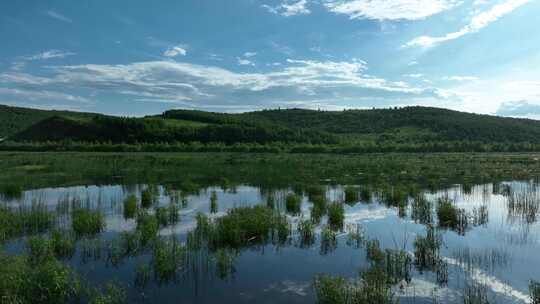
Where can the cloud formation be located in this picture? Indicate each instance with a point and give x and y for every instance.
(289, 8)
(51, 54)
(389, 9)
(56, 15)
(478, 22)
(175, 51)
(521, 108)
(178, 82)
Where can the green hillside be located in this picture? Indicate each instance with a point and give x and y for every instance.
(416, 127)
(14, 119)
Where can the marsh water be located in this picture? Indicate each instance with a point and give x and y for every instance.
(494, 248)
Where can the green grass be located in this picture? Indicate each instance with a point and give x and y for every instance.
(447, 213)
(243, 226)
(130, 206)
(147, 198)
(351, 194)
(336, 216)
(147, 226)
(47, 282)
(293, 203)
(87, 222)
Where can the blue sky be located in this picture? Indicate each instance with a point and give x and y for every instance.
(141, 57)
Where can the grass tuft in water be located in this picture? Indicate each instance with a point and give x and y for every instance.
(328, 241)
(147, 227)
(336, 216)
(306, 230)
(351, 194)
(241, 227)
(63, 244)
(213, 202)
(293, 202)
(87, 222)
(475, 294)
(168, 258)
(130, 207)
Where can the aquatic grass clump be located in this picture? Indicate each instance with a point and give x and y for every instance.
(422, 210)
(395, 264)
(475, 294)
(306, 230)
(148, 198)
(242, 226)
(371, 287)
(167, 216)
(328, 241)
(427, 250)
(447, 213)
(87, 222)
(46, 282)
(168, 257)
(130, 206)
(293, 203)
(319, 208)
(63, 244)
(225, 263)
(356, 236)
(534, 292)
(332, 290)
(147, 226)
(351, 194)
(39, 250)
(336, 216)
(109, 294)
(17, 222)
(365, 195)
(213, 202)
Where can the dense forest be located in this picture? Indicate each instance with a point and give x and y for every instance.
(413, 129)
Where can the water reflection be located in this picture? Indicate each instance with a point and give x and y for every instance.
(486, 246)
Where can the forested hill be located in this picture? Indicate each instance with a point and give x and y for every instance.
(378, 127)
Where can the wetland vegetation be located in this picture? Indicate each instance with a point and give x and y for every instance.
(395, 228)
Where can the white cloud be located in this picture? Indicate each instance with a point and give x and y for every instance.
(58, 16)
(289, 8)
(243, 61)
(51, 54)
(175, 51)
(478, 22)
(250, 54)
(461, 78)
(389, 9)
(179, 82)
(40, 95)
(418, 75)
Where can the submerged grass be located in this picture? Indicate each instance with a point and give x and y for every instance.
(17, 222)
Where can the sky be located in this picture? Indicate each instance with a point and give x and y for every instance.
(134, 58)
